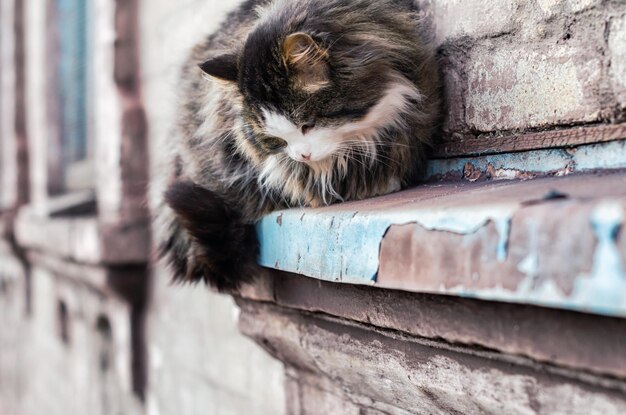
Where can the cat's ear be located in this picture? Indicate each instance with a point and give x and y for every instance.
(300, 48)
(223, 67)
(307, 59)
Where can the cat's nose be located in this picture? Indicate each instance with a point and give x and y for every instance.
(305, 156)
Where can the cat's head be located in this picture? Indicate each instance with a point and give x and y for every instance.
(315, 87)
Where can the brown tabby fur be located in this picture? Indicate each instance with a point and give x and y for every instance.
(319, 63)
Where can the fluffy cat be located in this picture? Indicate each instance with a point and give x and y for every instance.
(292, 103)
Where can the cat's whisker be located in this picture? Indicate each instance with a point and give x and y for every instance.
(384, 144)
(378, 158)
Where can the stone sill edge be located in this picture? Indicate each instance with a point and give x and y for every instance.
(83, 239)
(344, 244)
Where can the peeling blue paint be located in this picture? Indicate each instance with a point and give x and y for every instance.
(605, 288)
(610, 155)
(344, 245)
(503, 226)
(541, 161)
(603, 291)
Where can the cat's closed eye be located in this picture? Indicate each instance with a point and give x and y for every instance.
(347, 113)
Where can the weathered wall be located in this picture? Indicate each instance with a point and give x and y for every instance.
(530, 86)
(66, 362)
(199, 362)
(12, 312)
(71, 319)
(65, 343)
(7, 113)
(511, 65)
(361, 350)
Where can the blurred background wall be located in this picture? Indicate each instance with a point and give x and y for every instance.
(89, 324)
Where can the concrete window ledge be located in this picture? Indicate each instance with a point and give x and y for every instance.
(543, 332)
(83, 239)
(551, 241)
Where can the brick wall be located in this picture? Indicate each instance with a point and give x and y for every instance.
(511, 65)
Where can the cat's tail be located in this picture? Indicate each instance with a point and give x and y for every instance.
(208, 240)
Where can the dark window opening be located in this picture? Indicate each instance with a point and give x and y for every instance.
(63, 322)
(72, 164)
(105, 337)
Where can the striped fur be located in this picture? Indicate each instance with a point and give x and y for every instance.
(295, 103)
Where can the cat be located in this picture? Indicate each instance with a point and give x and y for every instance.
(292, 103)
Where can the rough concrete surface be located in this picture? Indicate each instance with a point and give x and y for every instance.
(397, 375)
(70, 354)
(542, 88)
(200, 363)
(617, 48)
(515, 65)
(584, 342)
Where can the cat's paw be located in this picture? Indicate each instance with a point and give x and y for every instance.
(222, 248)
(225, 273)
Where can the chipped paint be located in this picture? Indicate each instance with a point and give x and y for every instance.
(503, 226)
(344, 246)
(541, 161)
(342, 242)
(528, 164)
(610, 155)
(529, 266)
(603, 291)
(605, 288)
